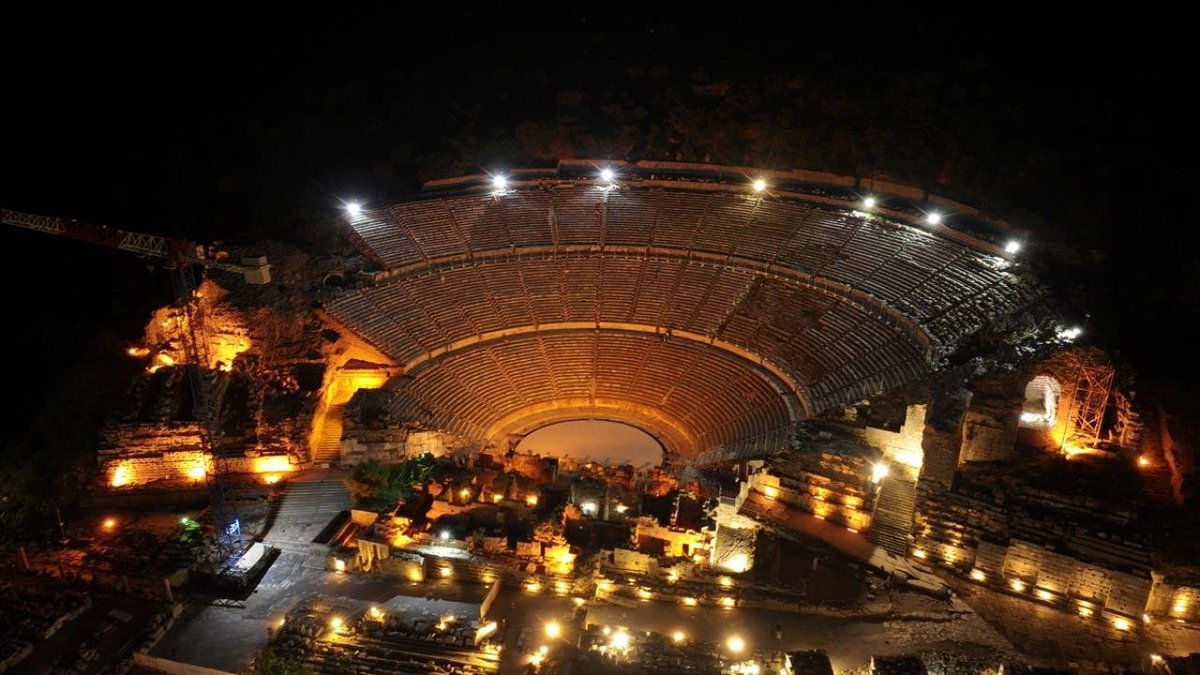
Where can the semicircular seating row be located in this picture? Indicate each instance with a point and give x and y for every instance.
(945, 287)
(717, 399)
(837, 349)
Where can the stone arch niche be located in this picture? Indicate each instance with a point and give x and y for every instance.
(1040, 409)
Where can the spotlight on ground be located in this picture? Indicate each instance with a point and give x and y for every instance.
(499, 182)
(759, 185)
(869, 203)
(933, 218)
(553, 629)
(1012, 247)
(353, 208)
(445, 535)
(735, 644)
(607, 175)
(879, 472)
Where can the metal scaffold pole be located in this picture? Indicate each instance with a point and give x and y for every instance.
(227, 531)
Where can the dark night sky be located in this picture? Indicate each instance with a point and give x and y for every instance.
(224, 126)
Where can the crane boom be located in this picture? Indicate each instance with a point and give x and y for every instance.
(175, 252)
(181, 257)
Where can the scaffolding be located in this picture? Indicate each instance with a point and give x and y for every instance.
(1088, 404)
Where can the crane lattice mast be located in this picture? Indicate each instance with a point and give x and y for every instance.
(181, 257)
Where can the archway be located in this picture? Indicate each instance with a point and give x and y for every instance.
(1040, 409)
(601, 441)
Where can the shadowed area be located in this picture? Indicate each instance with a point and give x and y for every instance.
(594, 440)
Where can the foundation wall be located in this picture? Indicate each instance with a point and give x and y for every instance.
(397, 444)
(1176, 601)
(904, 446)
(988, 436)
(1053, 577)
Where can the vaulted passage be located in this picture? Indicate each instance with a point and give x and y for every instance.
(594, 441)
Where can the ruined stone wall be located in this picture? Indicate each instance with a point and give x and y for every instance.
(134, 455)
(178, 466)
(394, 445)
(679, 542)
(991, 425)
(989, 434)
(263, 345)
(1170, 598)
(632, 561)
(941, 449)
(904, 446)
(1047, 575)
(733, 548)
(172, 466)
(990, 558)
(370, 433)
(225, 326)
(831, 500)
(1056, 573)
(1091, 583)
(1128, 593)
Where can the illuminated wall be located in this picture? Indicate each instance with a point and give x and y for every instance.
(186, 467)
(1175, 600)
(904, 446)
(346, 382)
(829, 500)
(679, 543)
(340, 387)
(1046, 576)
(180, 466)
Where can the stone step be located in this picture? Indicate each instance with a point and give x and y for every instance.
(329, 448)
(894, 512)
(304, 510)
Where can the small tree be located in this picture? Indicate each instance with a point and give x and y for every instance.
(367, 481)
(372, 482)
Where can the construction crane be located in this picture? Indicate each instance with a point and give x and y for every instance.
(181, 257)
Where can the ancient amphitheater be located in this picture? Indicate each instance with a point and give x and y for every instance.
(676, 298)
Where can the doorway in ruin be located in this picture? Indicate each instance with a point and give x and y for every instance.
(599, 441)
(1040, 408)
